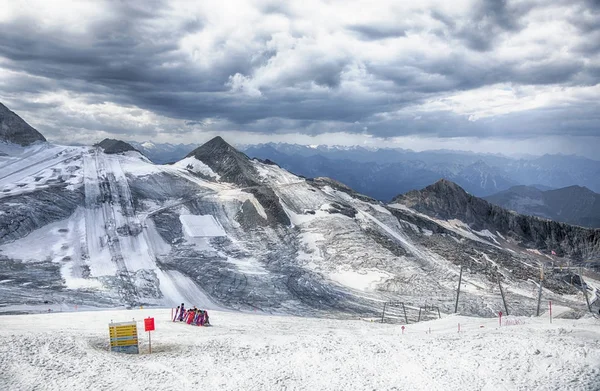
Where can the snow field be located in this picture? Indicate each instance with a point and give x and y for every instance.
(194, 165)
(200, 226)
(260, 352)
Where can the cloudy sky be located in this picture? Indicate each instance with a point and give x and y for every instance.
(490, 76)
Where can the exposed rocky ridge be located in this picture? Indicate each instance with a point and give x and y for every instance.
(573, 205)
(235, 167)
(21, 214)
(232, 165)
(446, 200)
(15, 130)
(112, 146)
(322, 182)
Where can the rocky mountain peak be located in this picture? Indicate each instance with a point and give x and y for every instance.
(112, 146)
(443, 199)
(232, 165)
(444, 185)
(14, 129)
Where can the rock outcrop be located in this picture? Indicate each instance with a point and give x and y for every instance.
(111, 146)
(446, 200)
(14, 130)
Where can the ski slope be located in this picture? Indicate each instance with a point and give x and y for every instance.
(80, 226)
(244, 351)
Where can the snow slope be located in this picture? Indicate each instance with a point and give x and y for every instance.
(258, 352)
(79, 226)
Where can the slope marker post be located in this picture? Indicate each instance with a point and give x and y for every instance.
(458, 290)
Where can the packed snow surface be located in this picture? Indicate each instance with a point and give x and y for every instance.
(200, 226)
(244, 351)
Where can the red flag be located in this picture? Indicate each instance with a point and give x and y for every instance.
(553, 252)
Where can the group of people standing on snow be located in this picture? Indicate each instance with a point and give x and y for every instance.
(193, 316)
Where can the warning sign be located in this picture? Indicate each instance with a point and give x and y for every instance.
(123, 337)
(149, 324)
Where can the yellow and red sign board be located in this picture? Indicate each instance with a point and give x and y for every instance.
(123, 337)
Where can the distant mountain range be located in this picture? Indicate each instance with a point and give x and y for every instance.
(574, 204)
(163, 153)
(382, 173)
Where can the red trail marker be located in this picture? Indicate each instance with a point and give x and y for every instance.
(149, 326)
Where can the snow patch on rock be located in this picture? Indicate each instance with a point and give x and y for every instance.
(196, 166)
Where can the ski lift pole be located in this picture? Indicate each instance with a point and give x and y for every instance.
(540, 291)
(383, 313)
(458, 290)
(502, 293)
(584, 289)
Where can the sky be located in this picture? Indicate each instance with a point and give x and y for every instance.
(488, 76)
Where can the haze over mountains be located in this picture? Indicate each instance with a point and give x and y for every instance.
(385, 173)
(574, 204)
(105, 227)
(163, 153)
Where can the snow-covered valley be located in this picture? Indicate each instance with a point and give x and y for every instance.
(247, 351)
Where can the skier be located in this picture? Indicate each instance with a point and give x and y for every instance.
(191, 316)
(176, 314)
(206, 322)
(181, 312)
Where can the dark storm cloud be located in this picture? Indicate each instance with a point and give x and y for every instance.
(368, 32)
(481, 28)
(577, 121)
(289, 78)
(461, 73)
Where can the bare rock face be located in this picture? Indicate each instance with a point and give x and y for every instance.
(14, 130)
(446, 200)
(21, 214)
(232, 165)
(112, 146)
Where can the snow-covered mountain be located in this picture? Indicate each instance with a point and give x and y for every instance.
(163, 153)
(221, 230)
